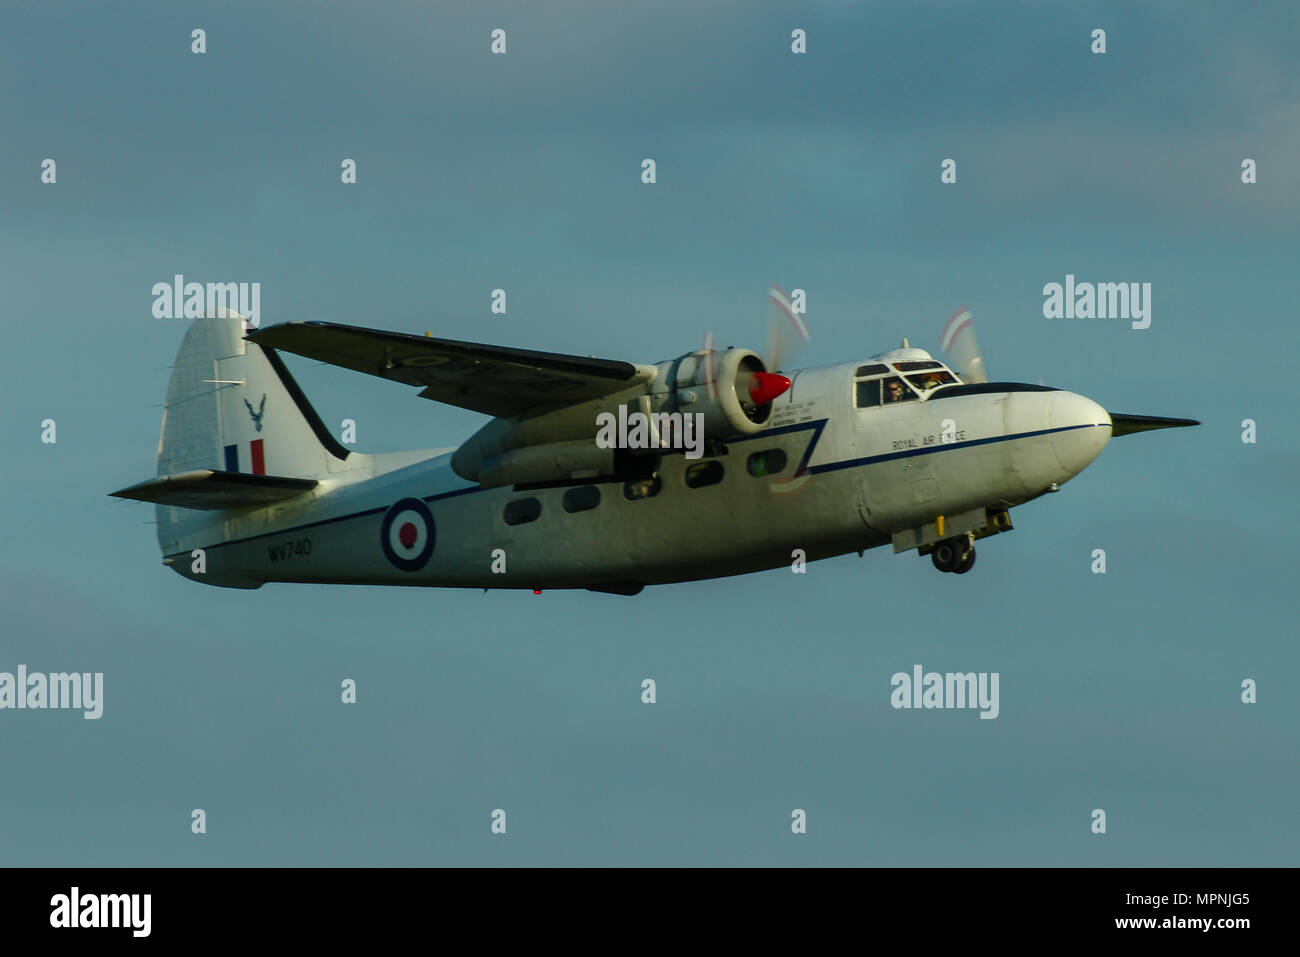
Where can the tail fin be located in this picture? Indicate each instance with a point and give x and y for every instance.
(232, 406)
(233, 411)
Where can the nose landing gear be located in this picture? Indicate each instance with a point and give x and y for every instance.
(956, 555)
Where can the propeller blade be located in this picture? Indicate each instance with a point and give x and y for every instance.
(959, 342)
(787, 330)
(710, 374)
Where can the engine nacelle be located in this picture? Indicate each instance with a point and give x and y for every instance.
(554, 461)
(560, 445)
(732, 410)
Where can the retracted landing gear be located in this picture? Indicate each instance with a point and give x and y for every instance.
(956, 555)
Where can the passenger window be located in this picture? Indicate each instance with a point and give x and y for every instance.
(703, 473)
(642, 488)
(522, 511)
(868, 394)
(771, 462)
(582, 498)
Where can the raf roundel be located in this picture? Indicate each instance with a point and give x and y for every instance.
(407, 535)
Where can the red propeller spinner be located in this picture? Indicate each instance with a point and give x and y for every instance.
(766, 386)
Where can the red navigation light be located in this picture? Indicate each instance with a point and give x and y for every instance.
(766, 386)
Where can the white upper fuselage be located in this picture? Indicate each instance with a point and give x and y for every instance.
(832, 471)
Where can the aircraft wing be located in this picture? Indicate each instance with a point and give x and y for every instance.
(496, 380)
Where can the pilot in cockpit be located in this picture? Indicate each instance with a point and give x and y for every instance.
(895, 391)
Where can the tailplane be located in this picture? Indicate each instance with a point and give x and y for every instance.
(207, 490)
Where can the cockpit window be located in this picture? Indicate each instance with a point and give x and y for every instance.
(896, 391)
(925, 381)
(914, 364)
(868, 394)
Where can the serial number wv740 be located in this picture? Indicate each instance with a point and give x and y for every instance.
(287, 551)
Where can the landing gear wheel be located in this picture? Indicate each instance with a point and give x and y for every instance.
(956, 554)
(948, 554)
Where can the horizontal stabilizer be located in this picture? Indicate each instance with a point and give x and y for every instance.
(1122, 424)
(210, 490)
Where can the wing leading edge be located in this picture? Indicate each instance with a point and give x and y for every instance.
(496, 380)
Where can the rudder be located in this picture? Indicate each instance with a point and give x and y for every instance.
(232, 406)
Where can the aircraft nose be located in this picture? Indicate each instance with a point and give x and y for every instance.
(1081, 429)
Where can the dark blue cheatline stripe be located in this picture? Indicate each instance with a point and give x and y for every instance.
(817, 425)
(232, 458)
(342, 518)
(816, 469)
(460, 491)
(908, 453)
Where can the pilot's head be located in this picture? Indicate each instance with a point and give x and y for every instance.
(894, 389)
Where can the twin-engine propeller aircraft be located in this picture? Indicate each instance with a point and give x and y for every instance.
(898, 449)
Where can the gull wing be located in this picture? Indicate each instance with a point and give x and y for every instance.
(496, 380)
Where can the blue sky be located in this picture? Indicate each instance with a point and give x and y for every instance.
(1118, 691)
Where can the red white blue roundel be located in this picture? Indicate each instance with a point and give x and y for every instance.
(407, 535)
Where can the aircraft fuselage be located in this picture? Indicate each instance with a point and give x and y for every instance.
(849, 479)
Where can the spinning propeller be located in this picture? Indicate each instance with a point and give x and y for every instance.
(787, 331)
(959, 342)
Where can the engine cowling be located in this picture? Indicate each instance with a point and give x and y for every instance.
(553, 461)
(741, 403)
(731, 390)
